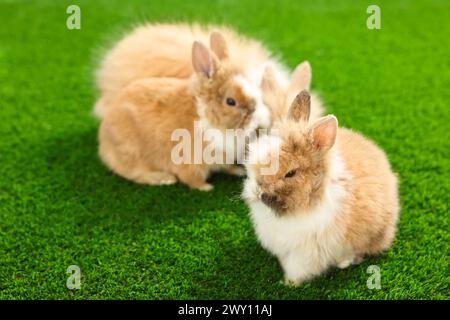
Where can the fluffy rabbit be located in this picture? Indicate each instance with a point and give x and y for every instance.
(136, 133)
(278, 97)
(163, 50)
(333, 199)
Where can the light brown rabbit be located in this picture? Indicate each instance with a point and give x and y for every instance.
(164, 50)
(332, 200)
(136, 133)
(278, 97)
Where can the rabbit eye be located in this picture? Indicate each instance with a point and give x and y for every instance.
(290, 174)
(231, 102)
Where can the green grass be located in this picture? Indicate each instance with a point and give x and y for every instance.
(60, 206)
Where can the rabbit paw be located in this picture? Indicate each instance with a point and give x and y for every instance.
(357, 259)
(292, 282)
(236, 171)
(205, 187)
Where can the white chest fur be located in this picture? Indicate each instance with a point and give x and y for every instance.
(311, 233)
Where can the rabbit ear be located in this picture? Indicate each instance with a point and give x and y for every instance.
(202, 60)
(301, 107)
(300, 80)
(273, 95)
(219, 45)
(268, 82)
(324, 132)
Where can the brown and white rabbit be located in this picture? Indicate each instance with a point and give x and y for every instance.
(278, 97)
(333, 199)
(136, 133)
(164, 50)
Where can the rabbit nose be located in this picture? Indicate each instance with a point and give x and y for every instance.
(268, 199)
(251, 109)
(247, 110)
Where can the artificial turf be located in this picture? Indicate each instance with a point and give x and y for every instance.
(59, 206)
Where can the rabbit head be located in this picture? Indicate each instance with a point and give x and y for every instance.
(226, 98)
(303, 160)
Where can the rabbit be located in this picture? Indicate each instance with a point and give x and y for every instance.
(332, 200)
(135, 135)
(163, 50)
(278, 96)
